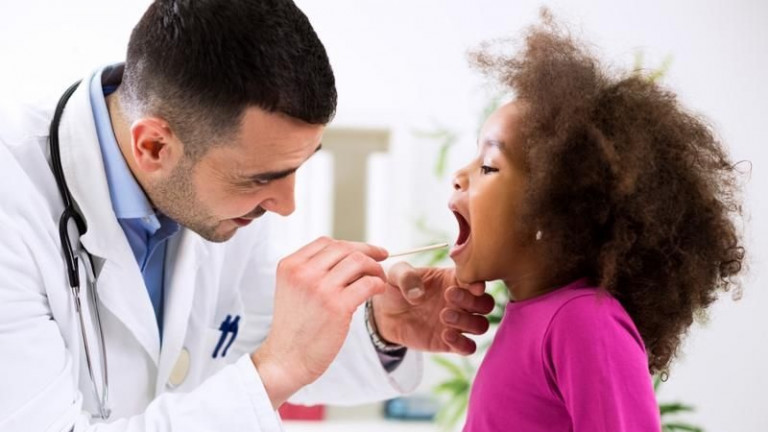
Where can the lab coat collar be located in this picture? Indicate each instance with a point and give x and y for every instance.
(84, 171)
(121, 287)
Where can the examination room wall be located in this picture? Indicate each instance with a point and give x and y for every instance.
(401, 67)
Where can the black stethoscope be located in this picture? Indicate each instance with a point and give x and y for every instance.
(71, 217)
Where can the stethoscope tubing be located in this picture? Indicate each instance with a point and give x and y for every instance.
(70, 214)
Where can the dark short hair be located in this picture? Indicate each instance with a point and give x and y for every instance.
(200, 63)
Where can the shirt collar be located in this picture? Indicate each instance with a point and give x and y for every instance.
(128, 199)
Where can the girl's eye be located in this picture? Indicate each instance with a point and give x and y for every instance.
(485, 169)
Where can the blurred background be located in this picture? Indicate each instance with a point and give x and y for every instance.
(409, 109)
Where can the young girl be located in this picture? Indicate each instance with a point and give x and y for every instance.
(608, 211)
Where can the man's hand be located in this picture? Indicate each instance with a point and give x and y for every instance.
(319, 287)
(429, 310)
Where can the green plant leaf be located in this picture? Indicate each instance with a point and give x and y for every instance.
(458, 411)
(639, 60)
(437, 257)
(446, 410)
(447, 138)
(652, 75)
(681, 427)
(450, 366)
(442, 155)
(456, 390)
(662, 70)
(495, 316)
(469, 369)
(674, 407)
(457, 386)
(450, 413)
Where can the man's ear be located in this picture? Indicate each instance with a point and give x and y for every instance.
(154, 146)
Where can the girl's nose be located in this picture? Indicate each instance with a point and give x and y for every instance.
(459, 180)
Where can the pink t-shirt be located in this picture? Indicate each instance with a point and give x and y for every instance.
(570, 360)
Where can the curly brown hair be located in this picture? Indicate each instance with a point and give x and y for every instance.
(628, 187)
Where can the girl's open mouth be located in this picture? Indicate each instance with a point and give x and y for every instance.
(464, 233)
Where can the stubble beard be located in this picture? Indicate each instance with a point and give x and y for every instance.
(176, 198)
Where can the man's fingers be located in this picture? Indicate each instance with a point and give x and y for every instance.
(327, 252)
(336, 250)
(464, 322)
(310, 249)
(375, 252)
(461, 298)
(408, 280)
(329, 256)
(457, 342)
(353, 267)
(361, 290)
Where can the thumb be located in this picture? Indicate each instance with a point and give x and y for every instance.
(476, 288)
(408, 280)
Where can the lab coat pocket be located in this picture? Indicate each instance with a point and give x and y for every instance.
(204, 353)
(225, 336)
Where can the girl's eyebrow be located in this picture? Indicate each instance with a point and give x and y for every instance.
(494, 143)
(491, 143)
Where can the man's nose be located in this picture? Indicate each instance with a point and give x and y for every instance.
(282, 200)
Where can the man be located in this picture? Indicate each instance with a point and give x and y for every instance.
(179, 324)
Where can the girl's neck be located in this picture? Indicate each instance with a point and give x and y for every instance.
(529, 286)
(519, 290)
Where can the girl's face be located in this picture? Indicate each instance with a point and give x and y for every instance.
(487, 201)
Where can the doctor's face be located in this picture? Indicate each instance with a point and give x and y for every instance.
(232, 184)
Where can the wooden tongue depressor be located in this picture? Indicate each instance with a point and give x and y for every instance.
(420, 249)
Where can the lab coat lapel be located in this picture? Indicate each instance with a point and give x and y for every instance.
(185, 254)
(120, 284)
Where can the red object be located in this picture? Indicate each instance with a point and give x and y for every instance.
(301, 412)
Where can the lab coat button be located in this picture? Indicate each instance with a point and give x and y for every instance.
(180, 369)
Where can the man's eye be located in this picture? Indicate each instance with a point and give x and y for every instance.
(485, 169)
(261, 182)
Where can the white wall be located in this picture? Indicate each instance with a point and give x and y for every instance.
(400, 65)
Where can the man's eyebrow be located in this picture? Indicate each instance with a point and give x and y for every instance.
(277, 175)
(272, 175)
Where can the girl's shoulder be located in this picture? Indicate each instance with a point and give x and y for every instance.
(590, 314)
(579, 294)
(578, 307)
(578, 299)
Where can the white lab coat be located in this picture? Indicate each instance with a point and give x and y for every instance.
(44, 382)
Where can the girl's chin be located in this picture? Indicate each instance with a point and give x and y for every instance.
(465, 275)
